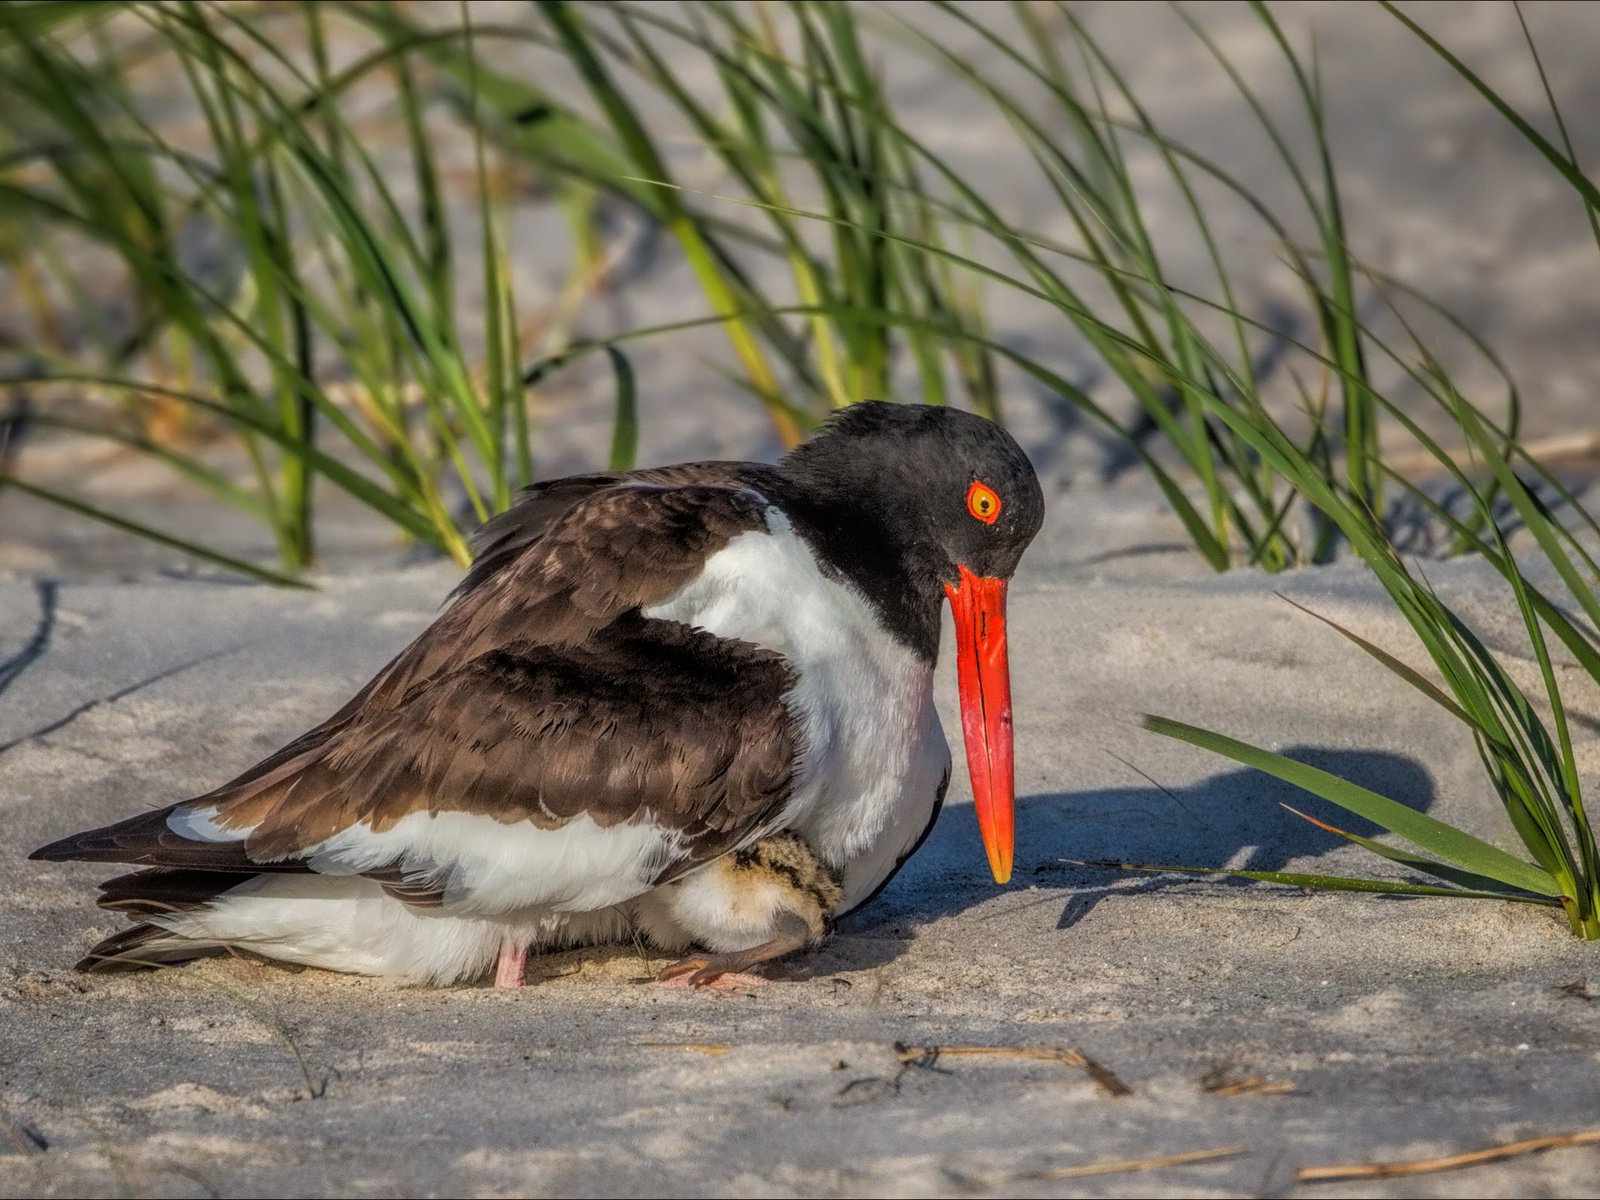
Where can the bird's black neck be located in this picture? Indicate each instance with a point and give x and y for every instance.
(877, 550)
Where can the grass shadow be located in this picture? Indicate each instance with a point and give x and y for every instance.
(1230, 819)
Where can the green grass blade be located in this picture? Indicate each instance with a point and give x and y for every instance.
(1427, 832)
(625, 430)
(527, 118)
(1413, 677)
(1563, 163)
(151, 534)
(42, 16)
(191, 468)
(1555, 112)
(1328, 883)
(1416, 862)
(722, 291)
(340, 474)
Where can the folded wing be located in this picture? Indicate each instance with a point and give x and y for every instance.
(541, 744)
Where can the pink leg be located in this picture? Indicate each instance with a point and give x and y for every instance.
(513, 962)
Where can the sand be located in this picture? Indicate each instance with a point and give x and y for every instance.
(1396, 1028)
(1284, 1028)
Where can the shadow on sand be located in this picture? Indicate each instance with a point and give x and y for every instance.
(1233, 819)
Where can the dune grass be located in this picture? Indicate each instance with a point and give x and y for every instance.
(1176, 353)
(796, 113)
(1152, 333)
(842, 253)
(1525, 743)
(282, 290)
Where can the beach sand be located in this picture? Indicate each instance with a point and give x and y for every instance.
(1278, 1029)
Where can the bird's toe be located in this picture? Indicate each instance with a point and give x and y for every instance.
(708, 972)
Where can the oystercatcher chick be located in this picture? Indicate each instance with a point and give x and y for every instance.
(692, 704)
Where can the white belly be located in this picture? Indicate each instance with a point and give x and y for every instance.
(873, 752)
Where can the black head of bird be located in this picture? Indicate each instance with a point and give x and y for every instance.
(916, 503)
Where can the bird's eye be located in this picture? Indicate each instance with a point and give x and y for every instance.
(982, 503)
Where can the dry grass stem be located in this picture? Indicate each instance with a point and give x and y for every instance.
(314, 1090)
(1108, 1081)
(712, 1048)
(1223, 1082)
(1123, 1165)
(1449, 1162)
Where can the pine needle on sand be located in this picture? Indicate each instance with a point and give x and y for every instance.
(1449, 1162)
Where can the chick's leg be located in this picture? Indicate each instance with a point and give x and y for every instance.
(730, 970)
(752, 907)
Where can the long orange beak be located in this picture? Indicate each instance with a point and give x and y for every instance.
(984, 680)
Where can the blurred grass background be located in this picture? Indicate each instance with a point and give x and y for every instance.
(272, 250)
(287, 226)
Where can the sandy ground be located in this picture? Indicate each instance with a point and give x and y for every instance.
(1396, 1028)
(1355, 1029)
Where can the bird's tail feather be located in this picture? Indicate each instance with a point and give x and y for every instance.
(143, 895)
(144, 947)
(165, 890)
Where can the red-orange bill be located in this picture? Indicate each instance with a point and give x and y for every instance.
(983, 678)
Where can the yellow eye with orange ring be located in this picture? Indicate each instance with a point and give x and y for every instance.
(982, 503)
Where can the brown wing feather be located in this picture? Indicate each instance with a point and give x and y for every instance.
(164, 890)
(147, 840)
(645, 718)
(498, 545)
(542, 693)
(498, 542)
(538, 694)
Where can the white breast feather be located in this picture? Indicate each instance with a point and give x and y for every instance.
(873, 752)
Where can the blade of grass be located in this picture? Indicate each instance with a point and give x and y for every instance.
(150, 533)
(1429, 833)
(1564, 164)
(625, 428)
(1329, 883)
(1416, 862)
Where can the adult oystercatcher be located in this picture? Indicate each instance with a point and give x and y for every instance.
(692, 703)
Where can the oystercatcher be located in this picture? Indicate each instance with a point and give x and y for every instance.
(691, 703)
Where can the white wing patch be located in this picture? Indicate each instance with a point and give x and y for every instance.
(486, 866)
(200, 825)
